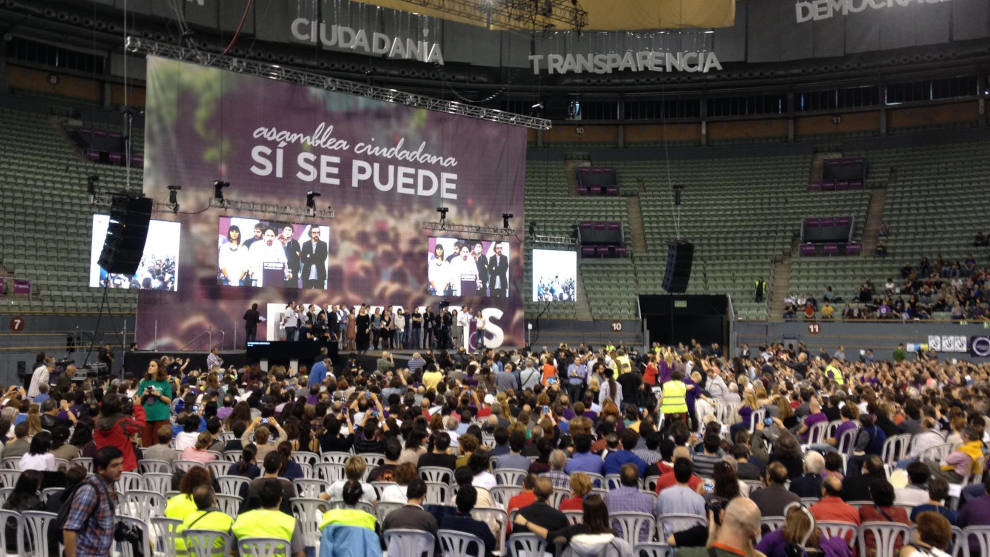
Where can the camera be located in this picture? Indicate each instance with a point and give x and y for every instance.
(127, 533)
(767, 421)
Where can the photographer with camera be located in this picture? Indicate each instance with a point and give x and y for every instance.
(731, 532)
(156, 397)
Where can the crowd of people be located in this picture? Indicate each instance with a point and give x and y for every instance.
(380, 327)
(154, 273)
(536, 434)
(959, 289)
(293, 262)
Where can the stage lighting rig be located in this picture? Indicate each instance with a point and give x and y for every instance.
(218, 187)
(173, 198)
(311, 201)
(505, 219)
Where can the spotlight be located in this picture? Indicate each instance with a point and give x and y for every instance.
(218, 189)
(505, 219)
(311, 201)
(443, 215)
(678, 190)
(173, 198)
(532, 228)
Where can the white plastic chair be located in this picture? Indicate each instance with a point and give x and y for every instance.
(982, 536)
(836, 529)
(165, 535)
(309, 487)
(335, 458)
(772, 523)
(9, 477)
(330, 472)
(653, 550)
(676, 522)
(202, 543)
(305, 458)
(6, 516)
(185, 465)
(526, 545)
(437, 493)
(497, 520)
(229, 504)
(936, 453)
(885, 535)
(372, 460)
(400, 542)
(894, 448)
(84, 461)
(458, 544)
(36, 531)
(613, 481)
(436, 474)
(634, 527)
(232, 485)
(263, 547)
(130, 481)
(383, 508)
(510, 476)
(157, 481)
(146, 465)
(574, 517)
(142, 504)
(218, 467)
(309, 512)
(126, 549)
(502, 493)
(818, 433)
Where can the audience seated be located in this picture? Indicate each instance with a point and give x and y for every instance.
(938, 492)
(774, 497)
(882, 510)
(831, 506)
(810, 484)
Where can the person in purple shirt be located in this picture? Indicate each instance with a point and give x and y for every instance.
(976, 512)
(616, 458)
(815, 417)
(584, 460)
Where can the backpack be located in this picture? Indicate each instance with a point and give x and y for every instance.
(55, 530)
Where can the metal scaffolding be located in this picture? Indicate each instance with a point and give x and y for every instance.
(292, 75)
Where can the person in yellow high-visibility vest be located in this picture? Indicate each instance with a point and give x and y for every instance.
(835, 374)
(205, 517)
(622, 361)
(673, 402)
(268, 521)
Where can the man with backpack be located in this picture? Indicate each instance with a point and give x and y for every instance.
(88, 519)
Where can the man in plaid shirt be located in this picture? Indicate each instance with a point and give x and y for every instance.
(89, 528)
(560, 479)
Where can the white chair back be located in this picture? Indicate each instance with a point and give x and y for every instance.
(335, 458)
(400, 542)
(633, 527)
(496, 519)
(142, 504)
(229, 504)
(502, 493)
(158, 482)
(146, 465)
(36, 531)
(836, 529)
(232, 485)
(383, 508)
(818, 433)
(884, 535)
(526, 545)
(510, 476)
(5, 517)
(979, 534)
(127, 549)
(309, 487)
(438, 493)
(675, 522)
(330, 472)
(653, 550)
(436, 474)
(130, 481)
(460, 544)
(165, 536)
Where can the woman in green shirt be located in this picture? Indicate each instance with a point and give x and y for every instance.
(156, 397)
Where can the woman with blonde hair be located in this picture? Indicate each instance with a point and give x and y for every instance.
(34, 420)
(799, 531)
(199, 451)
(580, 487)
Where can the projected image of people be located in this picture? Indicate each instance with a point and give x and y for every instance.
(158, 269)
(554, 276)
(275, 254)
(459, 267)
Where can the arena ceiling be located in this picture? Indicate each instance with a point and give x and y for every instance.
(602, 15)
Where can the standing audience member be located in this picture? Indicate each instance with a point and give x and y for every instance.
(89, 527)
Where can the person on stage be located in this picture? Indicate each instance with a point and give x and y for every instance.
(462, 268)
(363, 330)
(439, 273)
(428, 323)
(314, 260)
(251, 319)
(416, 329)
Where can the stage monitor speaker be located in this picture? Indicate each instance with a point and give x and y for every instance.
(679, 256)
(126, 234)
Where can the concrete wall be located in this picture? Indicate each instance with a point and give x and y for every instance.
(882, 338)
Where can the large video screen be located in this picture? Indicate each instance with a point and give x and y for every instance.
(468, 268)
(259, 253)
(554, 276)
(159, 267)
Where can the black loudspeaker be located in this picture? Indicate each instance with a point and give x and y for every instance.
(679, 256)
(126, 234)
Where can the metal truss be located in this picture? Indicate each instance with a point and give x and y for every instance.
(520, 15)
(271, 209)
(552, 240)
(496, 231)
(276, 71)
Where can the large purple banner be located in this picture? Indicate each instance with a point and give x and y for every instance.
(384, 168)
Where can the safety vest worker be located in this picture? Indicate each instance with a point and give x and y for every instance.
(835, 374)
(208, 519)
(674, 395)
(348, 517)
(264, 523)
